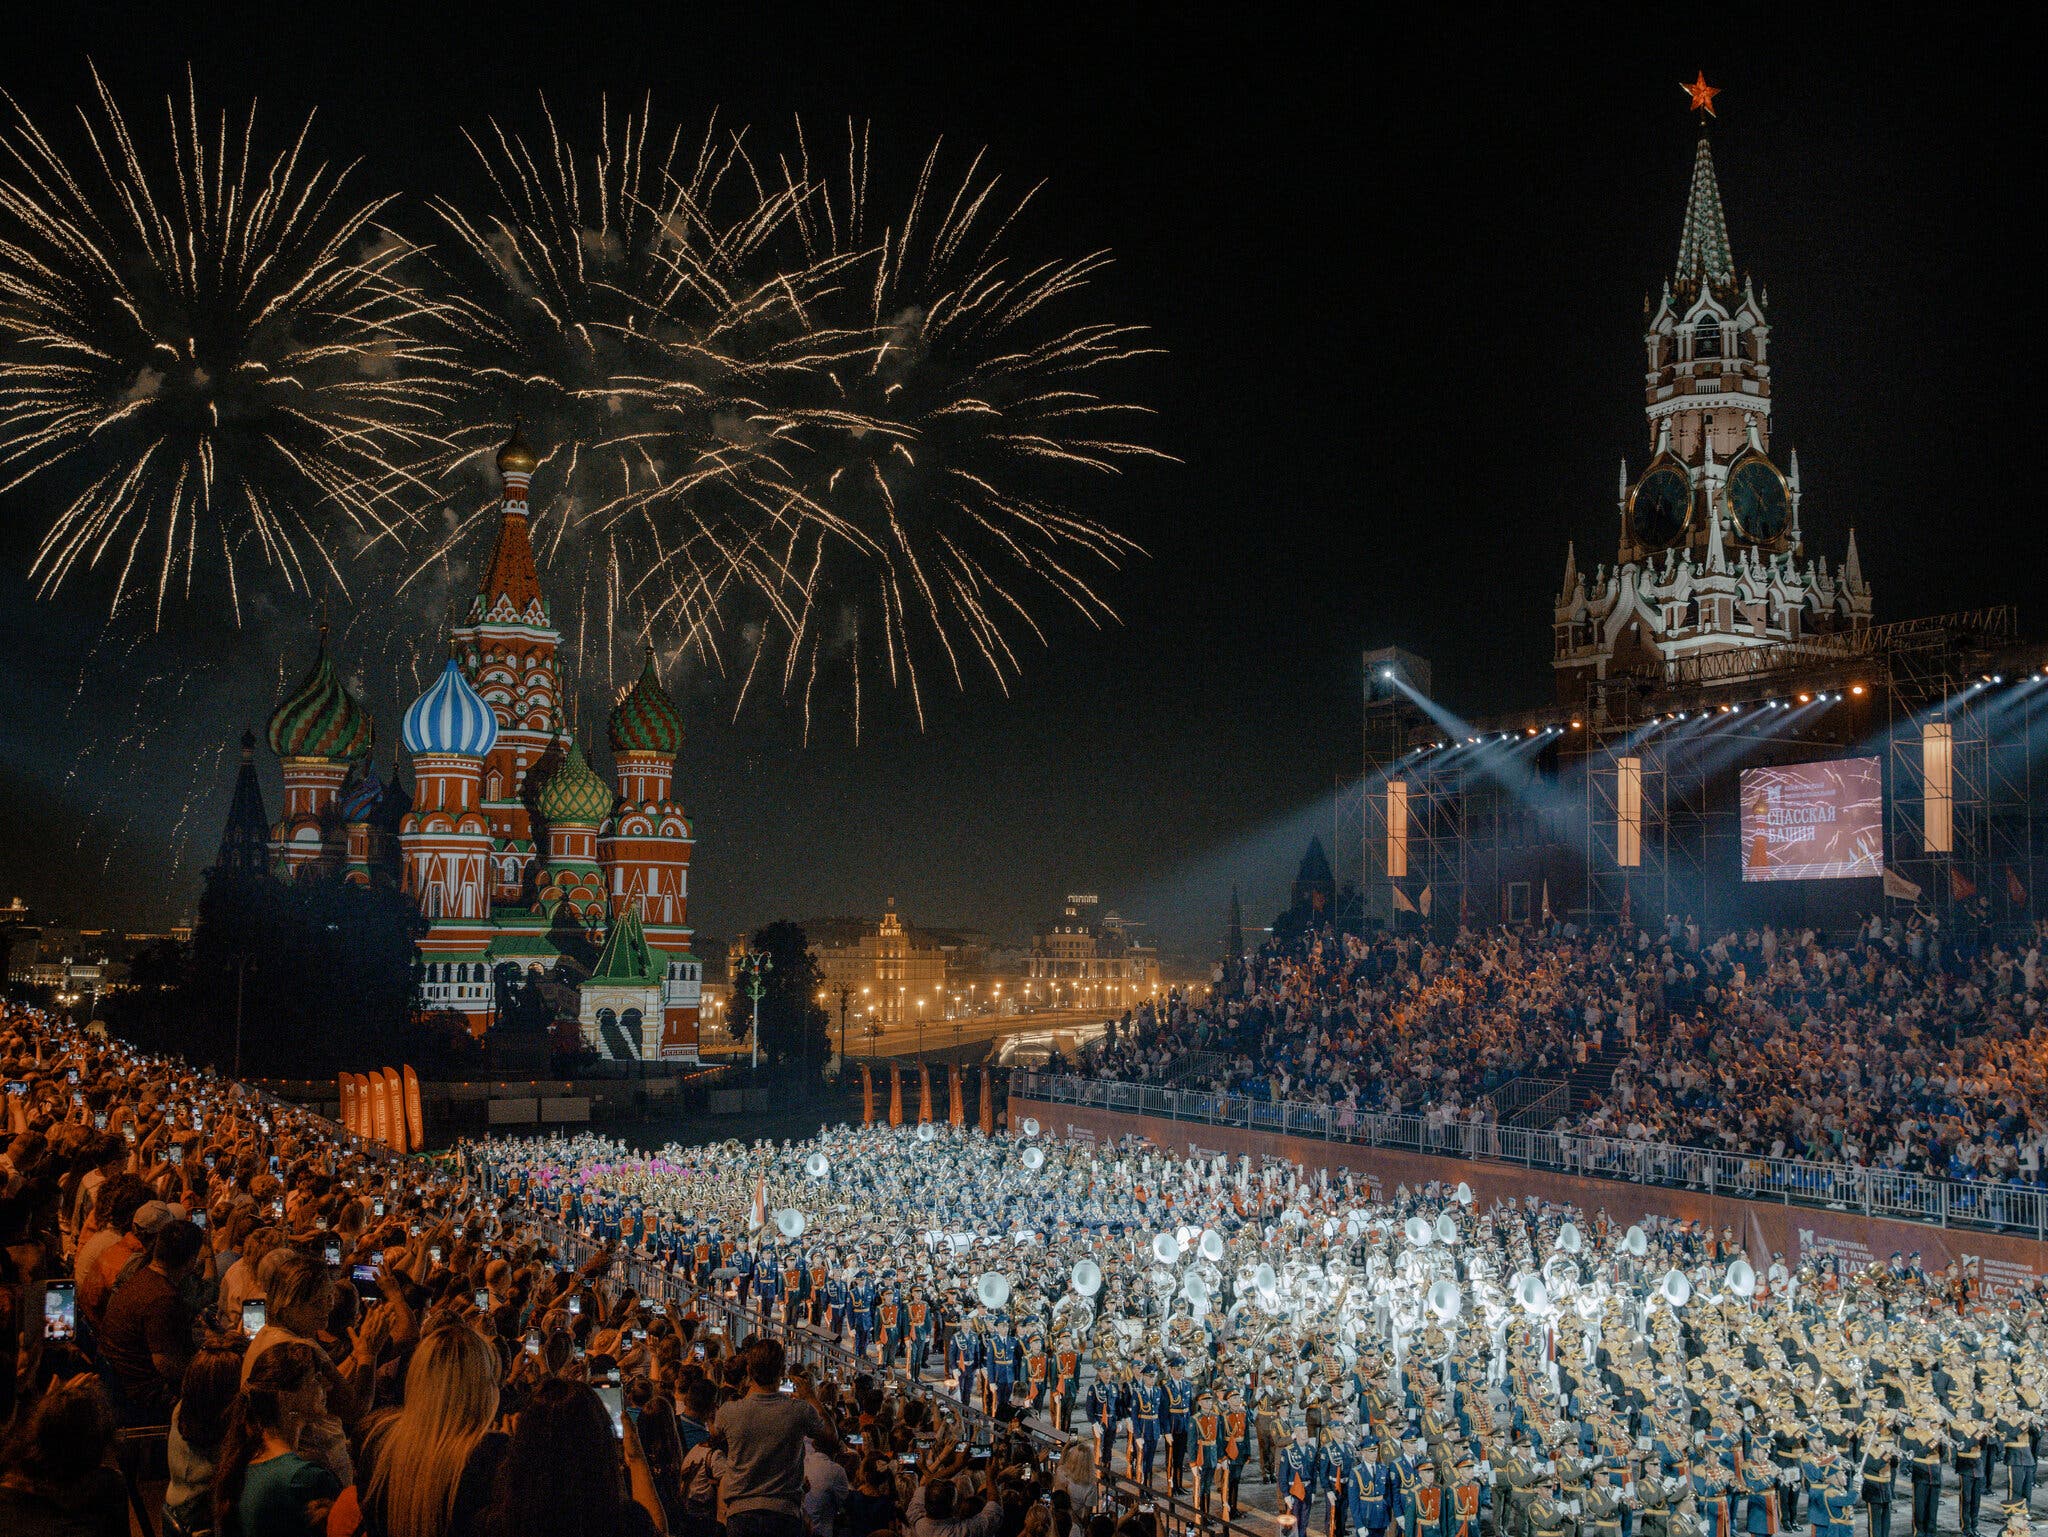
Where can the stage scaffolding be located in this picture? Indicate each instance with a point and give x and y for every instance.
(1894, 681)
(1483, 850)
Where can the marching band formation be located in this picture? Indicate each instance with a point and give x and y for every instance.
(1404, 1363)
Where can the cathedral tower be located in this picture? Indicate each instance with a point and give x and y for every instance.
(318, 731)
(645, 849)
(1711, 558)
(446, 840)
(508, 645)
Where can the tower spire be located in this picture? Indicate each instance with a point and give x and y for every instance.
(1704, 258)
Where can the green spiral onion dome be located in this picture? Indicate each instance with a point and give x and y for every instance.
(574, 796)
(646, 720)
(319, 718)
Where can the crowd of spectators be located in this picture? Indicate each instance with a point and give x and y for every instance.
(1883, 1049)
(294, 1336)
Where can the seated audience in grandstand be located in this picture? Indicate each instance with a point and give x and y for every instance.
(562, 1476)
(198, 1425)
(146, 1336)
(1889, 1050)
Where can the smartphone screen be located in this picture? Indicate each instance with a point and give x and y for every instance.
(533, 1344)
(99, 1120)
(334, 1254)
(908, 1459)
(175, 1153)
(575, 1304)
(854, 1440)
(17, 1086)
(252, 1317)
(199, 1219)
(608, 1395)
(483, 1299)
(377, 1208)
(60, 1311)
(434, 1253)
(787, 1387)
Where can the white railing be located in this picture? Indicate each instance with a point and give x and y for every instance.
(1981, 1204)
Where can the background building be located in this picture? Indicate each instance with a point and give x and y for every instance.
(891, 967)
(1086, 958)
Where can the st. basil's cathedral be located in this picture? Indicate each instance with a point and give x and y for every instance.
(515, 848)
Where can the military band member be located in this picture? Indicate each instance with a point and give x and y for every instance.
(1066, 1384)
(965, 1362)
(1174, 1421)
(1972, 1476)
(1922, 1446)
(1879, 1465)
(1237, 1448)
(922, 1317)
(1037, 1378)
(1005, 1360)
(1372, 1492)
(1148, 1416)
(1300, 1469)
(1204, 1450)
(1104, 1406)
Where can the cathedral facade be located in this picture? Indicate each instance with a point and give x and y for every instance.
(1713, 574)
(525, 862)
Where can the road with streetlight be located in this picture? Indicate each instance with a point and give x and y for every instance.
(968, 1037)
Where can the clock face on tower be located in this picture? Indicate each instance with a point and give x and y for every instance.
(1758, 499)
(1658, 505)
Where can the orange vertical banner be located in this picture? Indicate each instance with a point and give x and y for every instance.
(394, 1092)
(924, 1092)
(380, 1110)
(346, 1113)
(895, 1095)
(956, 1107)
(988, 1108)
(415, 1114)
(361, 1085)
(867, 1094)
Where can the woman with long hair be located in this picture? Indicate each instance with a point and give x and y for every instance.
(54, 1476)
(199, 1424)
(561, 1476)
(661, 1441)
(436, 1458)
(261, 1487)
(1077, 1478)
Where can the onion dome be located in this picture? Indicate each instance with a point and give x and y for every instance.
(450, 718)
(574, 795)
(319, 718)
(515, 458)
(646, 720)
(363, 795)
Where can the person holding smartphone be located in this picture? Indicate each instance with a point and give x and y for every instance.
(764, 1435)
(146, 1336)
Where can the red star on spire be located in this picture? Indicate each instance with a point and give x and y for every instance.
(1701, 93)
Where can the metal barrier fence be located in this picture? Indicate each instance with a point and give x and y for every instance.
(1530, 1101)
(1985, 1205)
(1120, 1495)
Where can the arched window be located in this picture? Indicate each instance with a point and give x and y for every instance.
(1706, 341)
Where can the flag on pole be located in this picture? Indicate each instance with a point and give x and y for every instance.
(1960, 887)
(2015, 888)
(1401, 902)
(1546, 899)
(1423, 905)
(1896, 885)
(758, 1217)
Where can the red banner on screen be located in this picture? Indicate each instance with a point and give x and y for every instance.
(1813, 821)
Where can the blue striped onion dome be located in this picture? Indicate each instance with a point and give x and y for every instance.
(574, 795)
(319, 718)
(450, 718)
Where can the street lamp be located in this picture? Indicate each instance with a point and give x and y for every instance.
(752, 965)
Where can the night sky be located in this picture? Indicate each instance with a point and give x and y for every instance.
(1398, 277)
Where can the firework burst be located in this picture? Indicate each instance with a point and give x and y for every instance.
(949, 409)
(206, 354)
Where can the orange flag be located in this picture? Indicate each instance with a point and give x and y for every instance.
(924, 1092)
(415, 1117)
(895, 1095)
(394, 1093)
(348, 1101)
(988, 1109)
(956, 1108)
(380, 1111)
(867, 1095)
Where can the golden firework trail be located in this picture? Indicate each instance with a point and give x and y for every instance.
(207, 352)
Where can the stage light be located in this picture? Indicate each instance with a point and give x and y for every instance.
(1806, 699)
(1856, 689)
(1998, 677)
(1576, 725)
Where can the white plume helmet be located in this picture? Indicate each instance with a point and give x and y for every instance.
(1568, 1239)
(1446, 1229)
(1210, 1246)
(1742, 1278)
(1675, 1288)
(1166, 1249)
(1030, 1126)
(817, 1166)
(1636, 1242)
(1419, 1232)
(1086, 1277)
(1034, 1159)
(1446, 1300)
(790, 1223)
(993, 1289)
